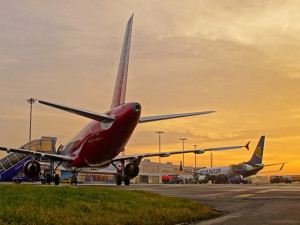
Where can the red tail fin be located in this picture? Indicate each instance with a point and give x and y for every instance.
(121, 81)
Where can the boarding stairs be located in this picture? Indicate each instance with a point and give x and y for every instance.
(231, 173)
(12, 164)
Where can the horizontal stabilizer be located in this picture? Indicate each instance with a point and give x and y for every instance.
(274, 165)
(171, 116)
(80, 112)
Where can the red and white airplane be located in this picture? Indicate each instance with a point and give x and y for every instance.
(99, 143)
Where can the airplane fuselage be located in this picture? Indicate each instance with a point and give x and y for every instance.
(243, 169)
(99, 142)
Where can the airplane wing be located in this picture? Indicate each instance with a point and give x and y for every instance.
(80, 112)
(167, 154)
(34, 153)
(171, 116)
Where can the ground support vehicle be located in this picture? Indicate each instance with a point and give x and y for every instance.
(172, 179)
(237, 179)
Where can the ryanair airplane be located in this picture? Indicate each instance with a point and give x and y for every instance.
(244, 169)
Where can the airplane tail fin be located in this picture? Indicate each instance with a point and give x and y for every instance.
(258, 153)
(121, 80)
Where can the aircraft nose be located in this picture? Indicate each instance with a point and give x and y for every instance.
(136, 107)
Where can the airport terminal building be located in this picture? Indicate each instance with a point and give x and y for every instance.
(149, 173)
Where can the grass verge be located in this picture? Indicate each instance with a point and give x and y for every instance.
(30, 204)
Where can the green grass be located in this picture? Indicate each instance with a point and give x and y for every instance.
(32, 204)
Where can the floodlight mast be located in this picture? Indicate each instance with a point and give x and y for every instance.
(183, 139)
(31, 101)
(195, 157)
(159, 144)
(159, 140)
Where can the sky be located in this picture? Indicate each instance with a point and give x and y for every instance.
(239, 58)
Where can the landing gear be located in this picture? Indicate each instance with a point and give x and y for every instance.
(43, 181)
(121, 174)
(17, 181)
(50, 178)
(56, 179)
(119, 180)
(126, 180)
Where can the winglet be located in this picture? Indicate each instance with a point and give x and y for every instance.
(282, 166)
(247, 146)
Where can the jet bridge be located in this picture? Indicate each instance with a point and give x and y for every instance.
(12, 164)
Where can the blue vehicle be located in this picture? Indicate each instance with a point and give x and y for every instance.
(237, 179)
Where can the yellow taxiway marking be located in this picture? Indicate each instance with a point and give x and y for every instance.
(266, 191)
(261, 192)
(243, 196)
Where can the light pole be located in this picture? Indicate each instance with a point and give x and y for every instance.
(195, 157)
(211, 159)
(159, 133)
(31, 101)
(182, 139)
(159, 143)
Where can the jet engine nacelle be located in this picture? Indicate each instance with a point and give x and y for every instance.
(131, 170)
(31, 169)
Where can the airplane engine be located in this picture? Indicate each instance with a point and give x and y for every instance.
(131, 170)
(32, 169)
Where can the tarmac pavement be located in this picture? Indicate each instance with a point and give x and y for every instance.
(242, 203)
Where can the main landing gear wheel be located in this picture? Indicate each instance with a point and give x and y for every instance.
(126, 180)
(48, 179)
(119, 180)
(56, 179)
(18, 181)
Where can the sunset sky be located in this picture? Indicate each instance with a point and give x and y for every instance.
(239, 58)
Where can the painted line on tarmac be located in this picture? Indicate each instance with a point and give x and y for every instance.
(229, 192)
(257, 192)
(244, 196)
(262, 192)
(275, 197)
(287, 190)
(274, 189)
